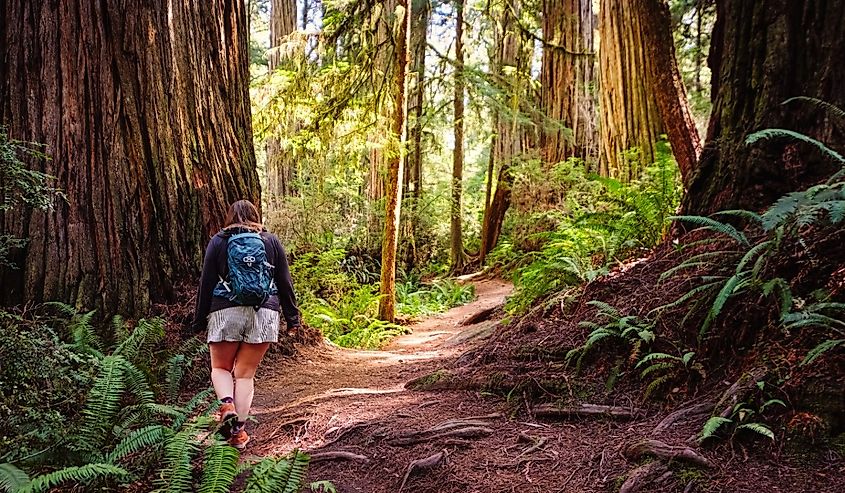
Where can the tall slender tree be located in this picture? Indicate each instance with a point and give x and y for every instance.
(764, 52)
(456, 237)
(567, 81)
(144, 109)
(393, 197)
(280, 165)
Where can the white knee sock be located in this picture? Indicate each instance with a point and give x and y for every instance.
(224, 385)
(244, 390)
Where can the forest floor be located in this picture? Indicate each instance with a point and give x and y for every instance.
(350, 409)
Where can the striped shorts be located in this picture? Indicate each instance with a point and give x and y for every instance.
(243, 324)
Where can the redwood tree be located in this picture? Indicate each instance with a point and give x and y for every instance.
(642, 93)
(144, 110)
(280, 164)
(764, 52)
(567, 80)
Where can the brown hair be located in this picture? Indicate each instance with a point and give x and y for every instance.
(243, 214)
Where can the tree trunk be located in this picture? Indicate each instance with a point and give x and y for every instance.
(456, 238)
(668, 86)
(567, 81)
(762, 53)
(642, 93)
(144, 109)
(419, 40)
(387, 302)
(630, 118)
(280, 164)
(508, 142)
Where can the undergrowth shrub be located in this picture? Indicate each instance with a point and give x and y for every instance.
(334, 298)
(112, 419)
(569, 227)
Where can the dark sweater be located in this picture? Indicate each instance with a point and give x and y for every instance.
(215, 265)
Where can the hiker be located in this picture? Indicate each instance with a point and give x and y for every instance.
(245, 284)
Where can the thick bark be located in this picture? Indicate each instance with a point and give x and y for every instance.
(762, 53)
(630, 117)
(508, 142)
(387, 301)
(567, 80)
(456, 243)
(642, 93)
(144, 109)
(281, 166)
(668, 86)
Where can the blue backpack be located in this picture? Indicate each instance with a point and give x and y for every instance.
(250, 279)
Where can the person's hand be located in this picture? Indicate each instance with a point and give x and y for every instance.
(293, 330)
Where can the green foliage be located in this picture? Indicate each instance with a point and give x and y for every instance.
(569, 227)
(20, 185)
(280, 475)
(612, 326)
(663, 368)
(740, 419)
(414, 299)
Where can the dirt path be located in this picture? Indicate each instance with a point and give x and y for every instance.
(333, 400)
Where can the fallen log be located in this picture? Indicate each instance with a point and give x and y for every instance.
(337, 455)
(482, 315)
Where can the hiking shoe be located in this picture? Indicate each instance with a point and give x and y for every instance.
(228, 420)
(239, 439)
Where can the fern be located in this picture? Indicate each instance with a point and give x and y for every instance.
(715, 226)
(143, 439)
(775, 133)
(758, 428)
(191, 406)
(837, 112)
(219, 468)
(822, 348)
(84, 335)
(89, 473)
(103, 402)
(322, 487)
(176, 475)
(272, 475)
(712, 426)
(12, 479)
(147, 333)
(731, 286)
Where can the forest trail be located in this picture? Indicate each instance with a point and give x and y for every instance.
(350, 409)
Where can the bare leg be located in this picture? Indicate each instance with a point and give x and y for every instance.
(222, 363)
(246, 362)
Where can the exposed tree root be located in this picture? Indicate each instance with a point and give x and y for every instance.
(337, 455)
(734, 394)
(419, 465)
(640, 478)
(465, 432)
(342, 432)
(537, 443)
(662, 450)
(693, 412)
(585, 410)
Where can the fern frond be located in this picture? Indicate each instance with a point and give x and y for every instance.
(821, 349)
(758, 250)
(322, 487)
(219, 468)
(654, 356)
(137, 385)
(89, 473)
(149, 437)
(68, 311)
(834, 110)
(655, 367)
(176, 475)
(103, 402)
(715, 226)
(147, 333)
(604, 308)
(775, 133)
(758, 428)
(656, 384)
(191, 406)
(12, 479)
(689, 295)
(732, 284)
(712, 426)
(742, 214)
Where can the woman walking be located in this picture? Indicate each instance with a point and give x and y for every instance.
(245, 284)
